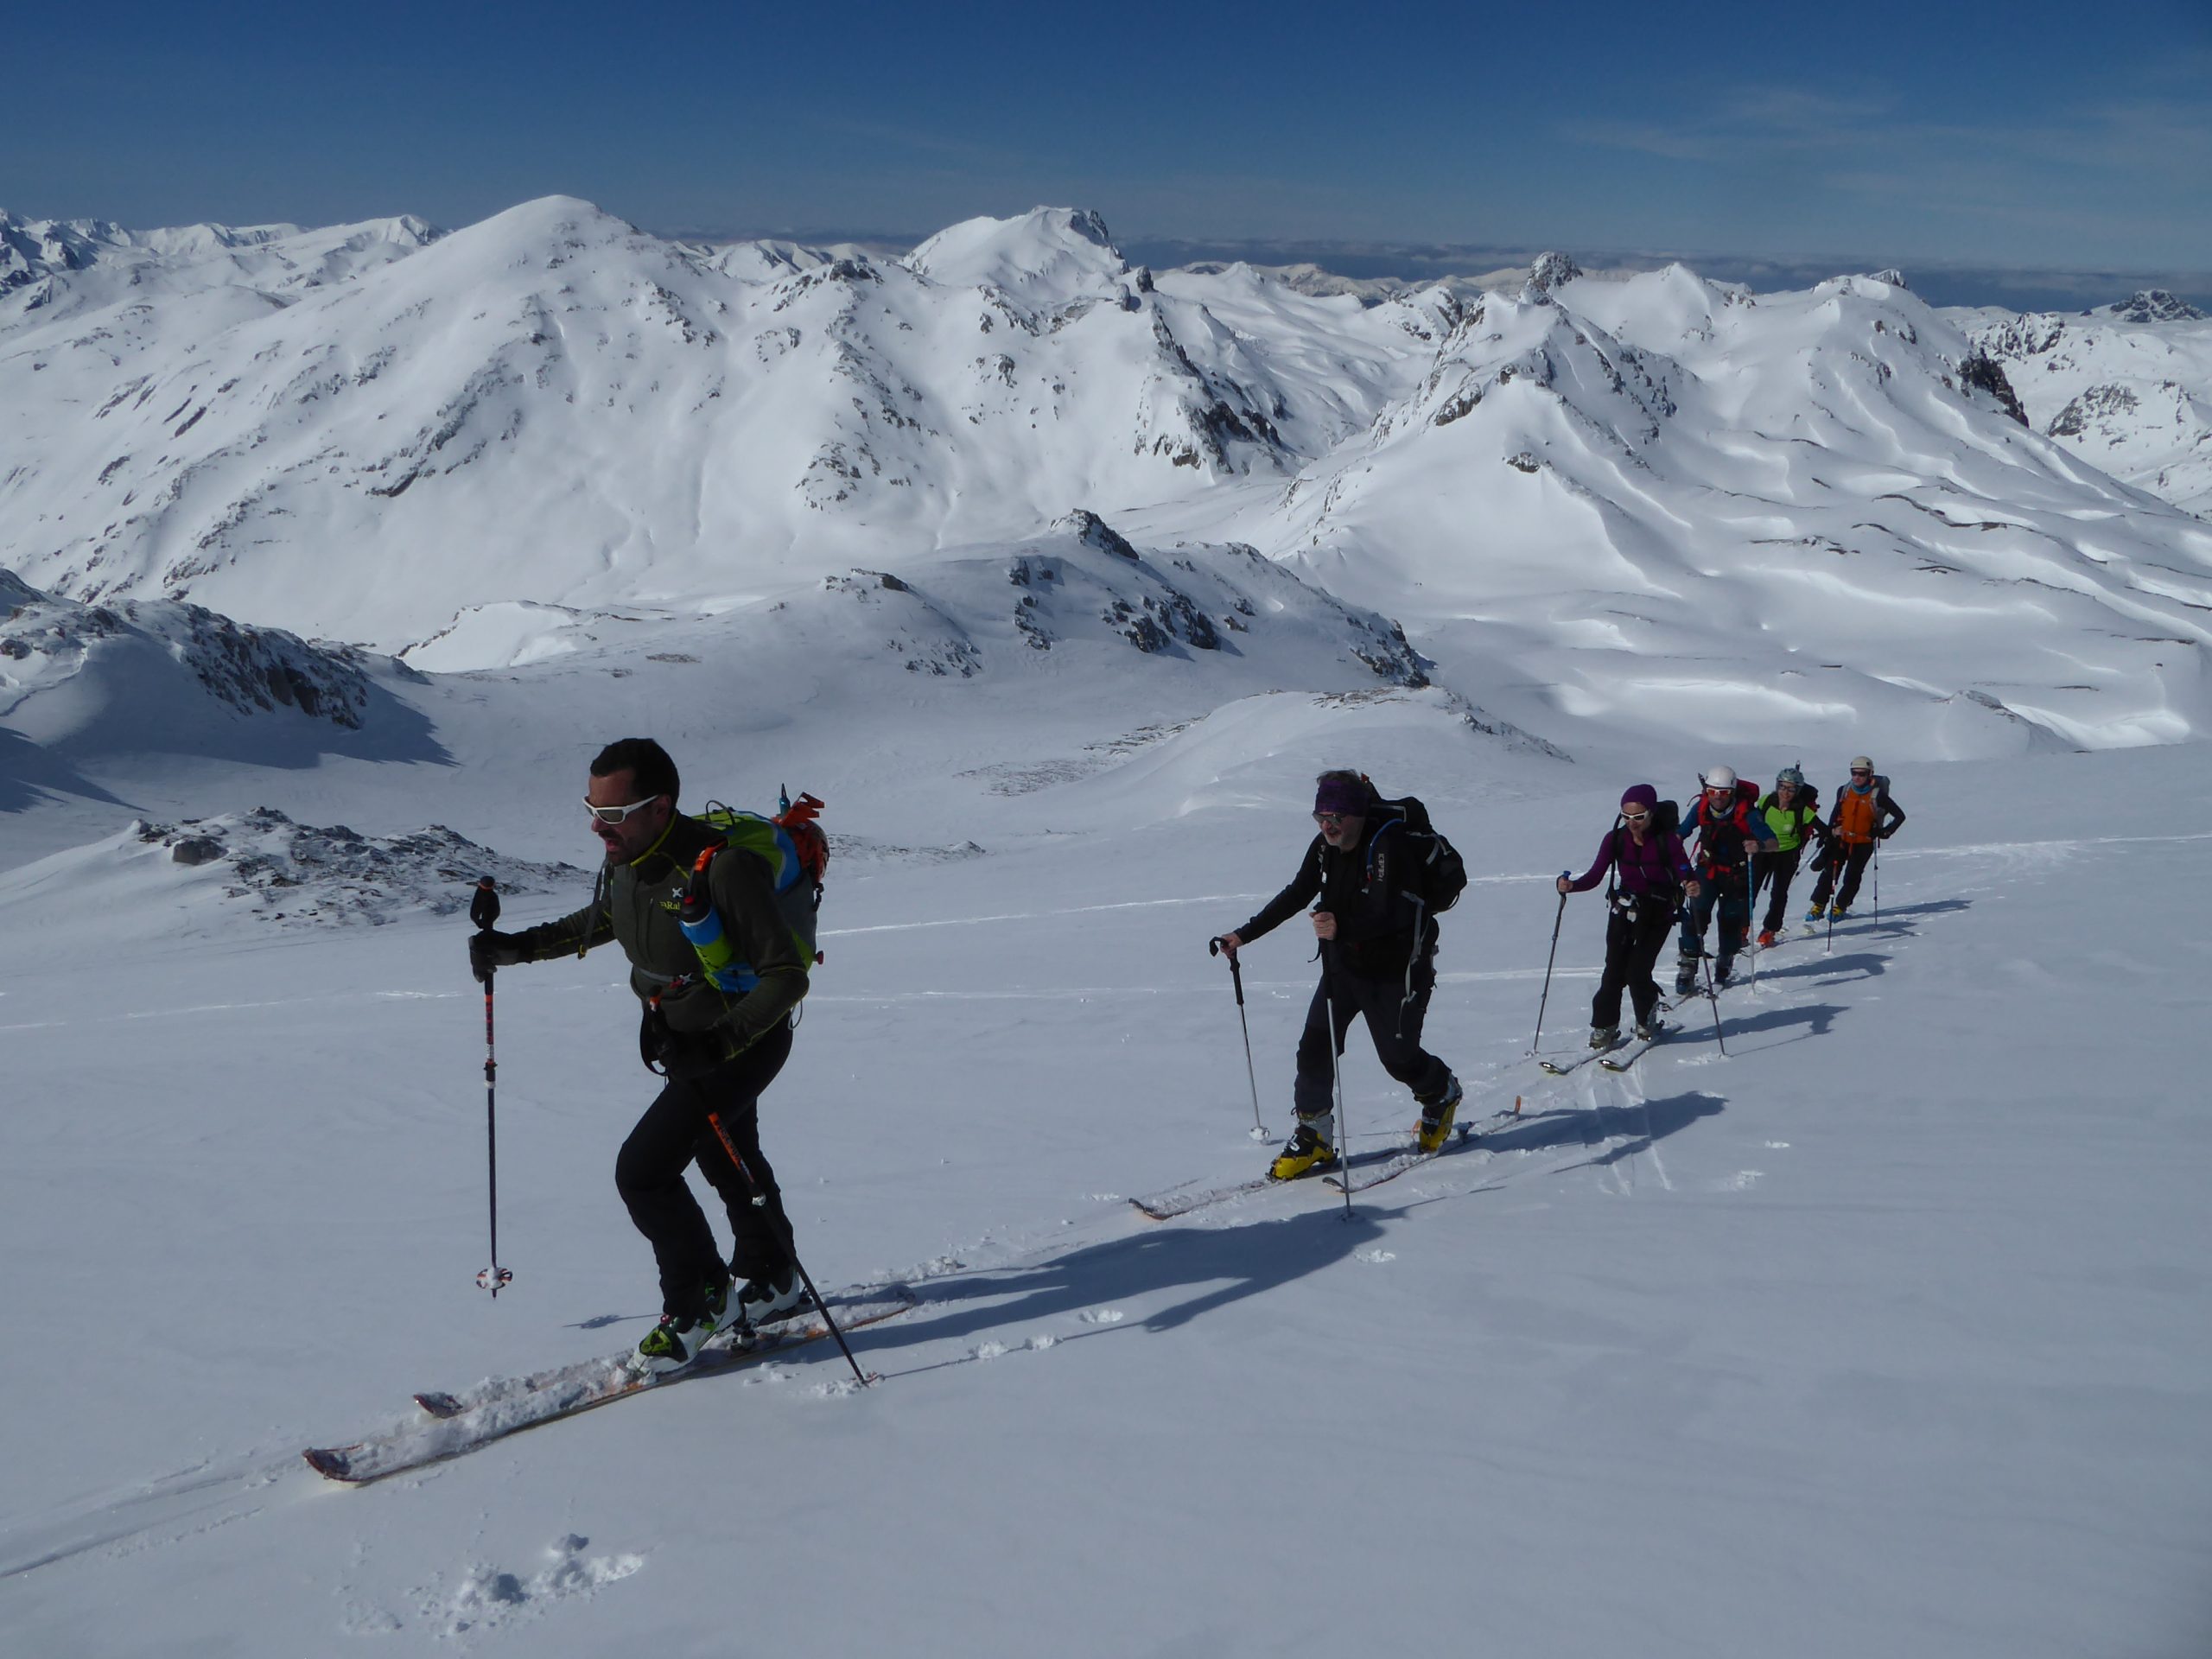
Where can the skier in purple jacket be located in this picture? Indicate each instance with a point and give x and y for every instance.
(1652, 871)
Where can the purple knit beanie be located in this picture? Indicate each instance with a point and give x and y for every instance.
(1641, 794)
(1343, 796)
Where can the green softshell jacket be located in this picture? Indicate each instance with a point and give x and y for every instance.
(1791, 823)
(635, 905)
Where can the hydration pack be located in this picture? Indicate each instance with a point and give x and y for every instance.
(797, 854)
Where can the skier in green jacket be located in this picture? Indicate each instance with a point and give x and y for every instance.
(1793, 813)
(718, 1049)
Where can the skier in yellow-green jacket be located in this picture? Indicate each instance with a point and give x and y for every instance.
(1792, 810)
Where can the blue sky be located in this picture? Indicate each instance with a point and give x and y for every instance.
(2031, 135)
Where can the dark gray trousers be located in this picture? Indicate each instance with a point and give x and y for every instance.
(1393, 1019)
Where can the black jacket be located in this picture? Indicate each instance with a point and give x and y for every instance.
(1381, 927)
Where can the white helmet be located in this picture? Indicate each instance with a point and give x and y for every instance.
(1720, 777)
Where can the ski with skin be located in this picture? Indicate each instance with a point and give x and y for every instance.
(1181, 1200)
(789, 1327)
(1414, 1158)
(1389, 1162)
(1620, 1060)
(1563, 1068)
(567, 1391)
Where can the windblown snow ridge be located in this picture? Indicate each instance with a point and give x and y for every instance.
(46, 643)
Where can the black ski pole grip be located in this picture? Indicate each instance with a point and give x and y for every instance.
(484, 906)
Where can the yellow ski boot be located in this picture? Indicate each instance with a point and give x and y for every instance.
(1309, 1150)
(1436, 1118)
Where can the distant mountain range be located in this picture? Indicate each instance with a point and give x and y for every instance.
(1649, 496)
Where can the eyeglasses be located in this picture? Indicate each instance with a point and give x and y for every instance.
(1634, 817)
(1861, 772)
(618, 814)
(1331, 820)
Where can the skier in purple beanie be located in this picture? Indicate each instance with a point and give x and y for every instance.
(1652, 874)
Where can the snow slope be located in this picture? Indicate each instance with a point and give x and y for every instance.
(1880, 1333)
(173, 682)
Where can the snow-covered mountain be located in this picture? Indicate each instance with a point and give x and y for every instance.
(2127, 387)
(552, 405)
(1676, 506)
(1656, 500)
(55, 269)
(1079, 586)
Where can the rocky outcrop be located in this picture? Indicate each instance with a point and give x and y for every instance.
(299, 874)
(1983, 373)
(2151, 305)
(1551, 270)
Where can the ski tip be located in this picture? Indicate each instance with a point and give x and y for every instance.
(439, 1404)
(329, 1462)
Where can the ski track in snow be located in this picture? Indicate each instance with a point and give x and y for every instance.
(169, 1509)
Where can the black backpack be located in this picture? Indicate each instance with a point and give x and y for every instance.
(1435, 872)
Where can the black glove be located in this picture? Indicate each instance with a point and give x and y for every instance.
(1884, 834)
(488, 950)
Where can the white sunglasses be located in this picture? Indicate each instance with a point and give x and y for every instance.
(617, 814)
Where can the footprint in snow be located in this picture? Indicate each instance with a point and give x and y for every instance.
(488, 1597)
(1377, 1256)
(1101, 1316)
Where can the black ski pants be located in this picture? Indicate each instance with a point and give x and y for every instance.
(649, 1173)
(1631, 948)
(1394, 1020)
(1854, 866)
(1776, 871)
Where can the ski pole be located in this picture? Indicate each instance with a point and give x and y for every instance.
(1545, 1000)
(1335, 1068)
(1748, 916)
(1877, 878)
(1834, 883)
(790, 1250)
(484, 910)
(1712, 991)
(1236, 979)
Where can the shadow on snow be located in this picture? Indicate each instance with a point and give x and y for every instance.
(1220, 1265)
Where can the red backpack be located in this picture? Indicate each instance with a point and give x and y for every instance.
(1722, 847)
